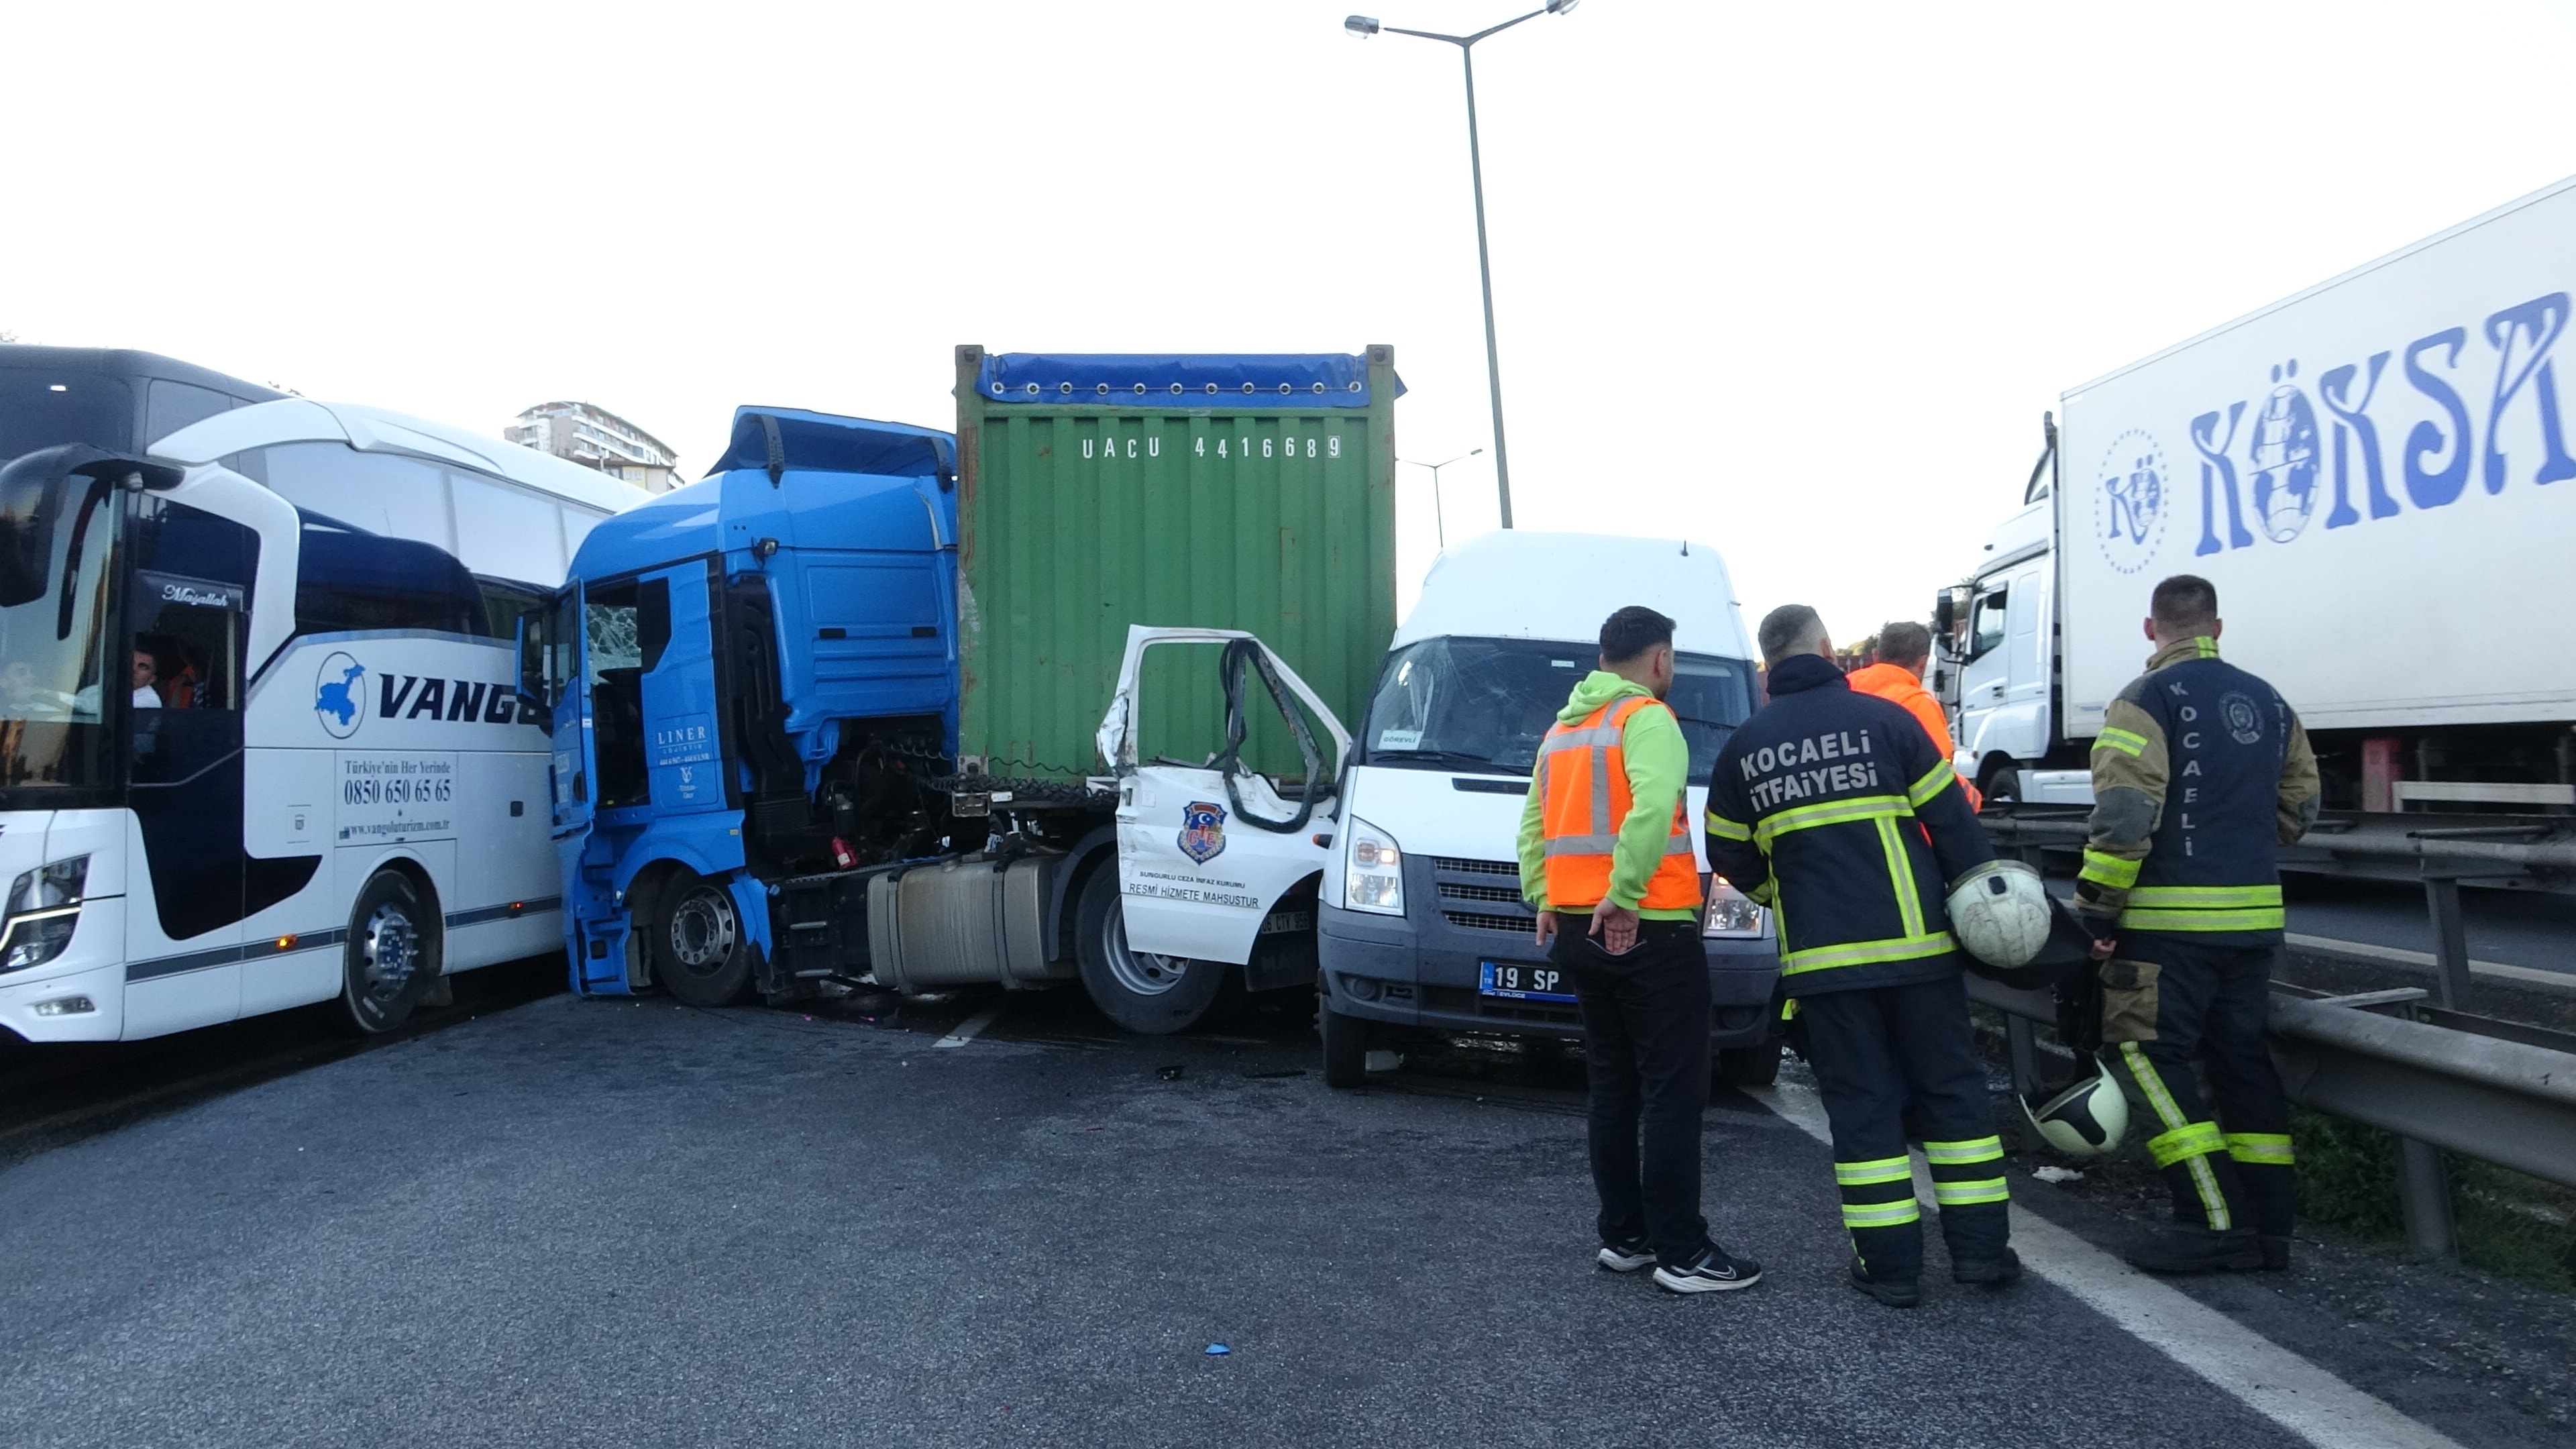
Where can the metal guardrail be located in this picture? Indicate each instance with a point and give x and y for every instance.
(2438, 1088)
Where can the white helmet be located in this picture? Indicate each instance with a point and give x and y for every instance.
(2000, 913)
(2088, 1119)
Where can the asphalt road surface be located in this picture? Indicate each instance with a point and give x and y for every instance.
(576, 1223)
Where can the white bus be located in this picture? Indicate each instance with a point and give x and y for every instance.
(260, 744)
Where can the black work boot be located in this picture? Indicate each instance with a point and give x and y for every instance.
(2189, 1248)
(1996, 1272)
(1893, 1292)
(2276, 1252)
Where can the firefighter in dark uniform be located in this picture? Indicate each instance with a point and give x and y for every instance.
(1833, 808)
(2200, 775)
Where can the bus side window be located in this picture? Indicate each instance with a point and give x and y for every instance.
(170, 406)
(188, 610)
(349, 581)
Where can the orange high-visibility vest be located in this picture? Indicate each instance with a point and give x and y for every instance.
(1583, 785)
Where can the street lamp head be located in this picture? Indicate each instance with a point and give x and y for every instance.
(1562, 7)
(1471, 452)
(1361, 27)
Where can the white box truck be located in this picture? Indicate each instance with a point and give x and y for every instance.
(1422, 924)
(2376, 473)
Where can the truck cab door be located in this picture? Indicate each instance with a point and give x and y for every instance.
(675, 634)
(553, 672)
(1208, 846)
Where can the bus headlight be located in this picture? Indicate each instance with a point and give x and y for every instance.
(1730, 911)
(44, 905)
(1375, 880)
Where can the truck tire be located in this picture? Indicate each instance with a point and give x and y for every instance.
(701, 954)
(1753, 1066)
(1145, 993)
(393, 953)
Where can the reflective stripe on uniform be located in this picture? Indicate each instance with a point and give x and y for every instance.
(2135, 920)
(1866, 953)
(1608, 844)
(2127, 742)
(1883, 1169)
(2207, 646)
(1725, 829)
(1960, 1154)
(2213, 1203)
(1962, 1194)
(1831, 812)
(2191, 1139)
(2104, 868)
(1900, 873)
(2268, 1148)
(1939, 778)
(1881, 1214)
(2214, 897)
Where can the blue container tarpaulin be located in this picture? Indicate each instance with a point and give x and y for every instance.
(1189, 380)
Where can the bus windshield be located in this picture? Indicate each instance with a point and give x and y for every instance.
(1483, 704)
(42, 407)
(57, 536)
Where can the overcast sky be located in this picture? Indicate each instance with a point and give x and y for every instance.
(1797, 279)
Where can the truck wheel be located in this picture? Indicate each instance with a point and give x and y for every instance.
(1346, 1043)
(392, 955)
(1753, 1066)
(699, 952)
(1144, 992)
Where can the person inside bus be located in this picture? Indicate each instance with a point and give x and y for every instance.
(147, 672)
(185, 688)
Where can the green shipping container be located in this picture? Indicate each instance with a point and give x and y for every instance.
(1098, 492)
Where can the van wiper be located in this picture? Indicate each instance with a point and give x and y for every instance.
(1453, 757)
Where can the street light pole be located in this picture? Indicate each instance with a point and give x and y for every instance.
(1363, 27)
(1437, 521)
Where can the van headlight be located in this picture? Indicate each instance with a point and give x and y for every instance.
(44, 905)
(1375, 880)
(1730, 912)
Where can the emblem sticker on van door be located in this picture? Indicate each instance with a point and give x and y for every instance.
(1202, 831)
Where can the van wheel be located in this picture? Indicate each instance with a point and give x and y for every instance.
(393, 953)
(1753, 1066)
(1144, 992)
(700, 954)
(1346, 1044)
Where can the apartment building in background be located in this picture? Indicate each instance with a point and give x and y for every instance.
(594, 437)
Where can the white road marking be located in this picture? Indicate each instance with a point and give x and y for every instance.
(2525, 975)
(2265, 1377)
(966, 1030)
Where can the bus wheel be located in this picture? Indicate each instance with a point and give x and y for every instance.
(1144, 992)
(699, 953)
(393, 953)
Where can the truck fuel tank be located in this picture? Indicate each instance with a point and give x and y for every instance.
(964, 921)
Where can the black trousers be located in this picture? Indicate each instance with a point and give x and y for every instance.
(1875, 1051)
(1645, 1045)
(2169, 1002)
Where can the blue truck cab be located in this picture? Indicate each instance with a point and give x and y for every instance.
(778, 634)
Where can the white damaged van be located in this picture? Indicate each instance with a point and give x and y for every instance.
(1423, 926)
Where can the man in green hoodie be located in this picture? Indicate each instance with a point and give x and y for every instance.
(1605, 844)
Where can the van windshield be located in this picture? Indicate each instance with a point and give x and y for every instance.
(1483, 705)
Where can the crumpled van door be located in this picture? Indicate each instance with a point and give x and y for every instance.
(1208, 846)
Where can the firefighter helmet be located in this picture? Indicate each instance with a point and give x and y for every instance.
(2000, 913)
(2088, 1119)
